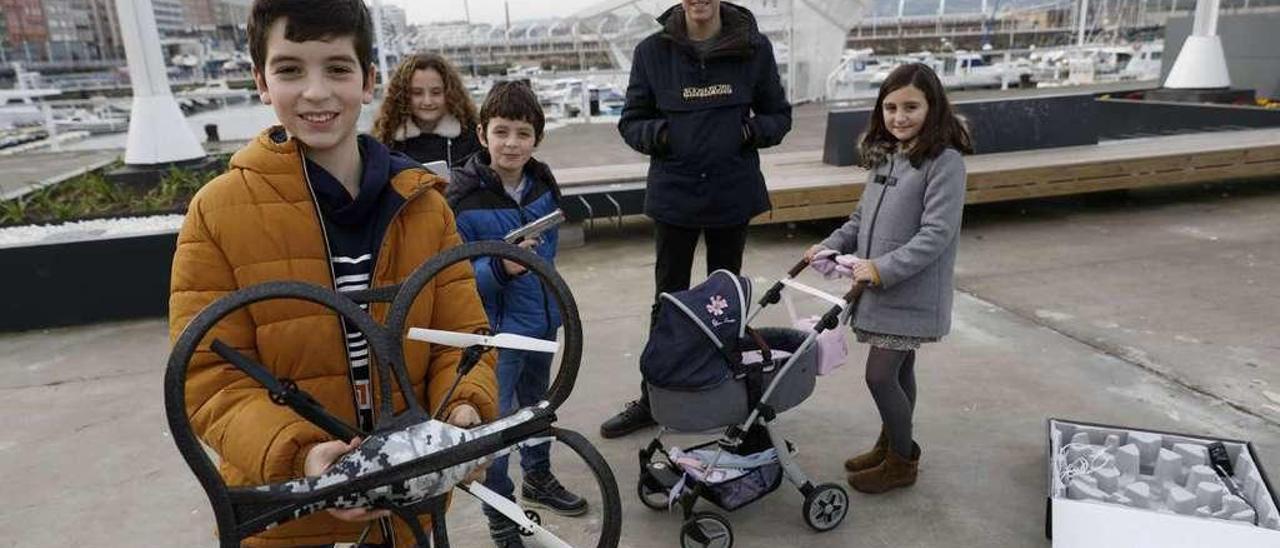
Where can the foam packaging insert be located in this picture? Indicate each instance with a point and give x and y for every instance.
(1114, 486)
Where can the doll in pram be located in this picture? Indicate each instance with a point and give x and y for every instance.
(706, 369)
(412, 460)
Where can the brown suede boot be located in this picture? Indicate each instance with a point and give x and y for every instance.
(893, 473)
(871, 458)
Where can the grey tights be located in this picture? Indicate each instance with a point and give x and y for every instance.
(891, 376)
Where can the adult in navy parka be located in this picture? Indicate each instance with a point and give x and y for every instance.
(704, 96)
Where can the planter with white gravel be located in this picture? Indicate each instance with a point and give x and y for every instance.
(86, 271)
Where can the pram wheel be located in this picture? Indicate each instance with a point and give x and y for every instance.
(654, 499)
(706, 530)
(534, 517)
(826, 506)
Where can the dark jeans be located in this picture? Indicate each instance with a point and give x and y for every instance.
(674, 247)
(522, 381)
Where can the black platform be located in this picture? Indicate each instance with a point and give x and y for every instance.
(87, 281)
(1008, 125)
(996, 125)
(146, 176)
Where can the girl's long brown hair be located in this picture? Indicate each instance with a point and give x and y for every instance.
(942, 127)
(397, 108)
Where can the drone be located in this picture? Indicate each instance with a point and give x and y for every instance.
(412, 460)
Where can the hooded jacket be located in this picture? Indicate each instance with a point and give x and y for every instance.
(449, 141)
(485, 211)
(702, 118)
(260, 222)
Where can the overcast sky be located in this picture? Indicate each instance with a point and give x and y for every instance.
(489, 11)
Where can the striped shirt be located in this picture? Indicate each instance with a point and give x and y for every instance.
(354, 229)
(352, 273)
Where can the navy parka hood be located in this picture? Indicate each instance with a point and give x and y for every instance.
(738, 31)
(477, 175)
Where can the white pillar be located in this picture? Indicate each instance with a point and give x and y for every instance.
(1206, 22)
(158, 132)
(1084, 17)
(791, 54)
(55, 144)
(471, 43)
(377, 36)
(1004, 72)
(1201, 64)
(902, 5)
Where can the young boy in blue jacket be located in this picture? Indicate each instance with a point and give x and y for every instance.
(502, 188)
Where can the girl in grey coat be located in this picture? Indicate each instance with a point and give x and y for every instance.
(904, 234)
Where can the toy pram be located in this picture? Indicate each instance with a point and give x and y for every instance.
(706, 368)
(411, 460)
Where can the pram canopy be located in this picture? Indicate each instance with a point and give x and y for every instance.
(695, 343)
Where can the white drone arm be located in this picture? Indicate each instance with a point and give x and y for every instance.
(514, 513)
(501, 340)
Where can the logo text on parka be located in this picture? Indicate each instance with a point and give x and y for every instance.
(694, 92)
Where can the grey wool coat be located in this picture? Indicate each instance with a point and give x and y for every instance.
(907, 223)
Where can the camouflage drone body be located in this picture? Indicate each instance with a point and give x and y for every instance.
(382, 451)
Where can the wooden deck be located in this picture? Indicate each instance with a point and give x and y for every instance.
(803, 188)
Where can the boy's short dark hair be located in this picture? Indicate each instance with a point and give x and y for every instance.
(312, 20)
(513, 100)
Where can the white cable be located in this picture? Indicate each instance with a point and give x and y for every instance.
(1097, 459)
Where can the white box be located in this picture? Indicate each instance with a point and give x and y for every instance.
(1089, 524)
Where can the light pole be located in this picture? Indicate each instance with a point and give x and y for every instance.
(382, 45)
(791, 53)
(1084, 16)
(471, 47)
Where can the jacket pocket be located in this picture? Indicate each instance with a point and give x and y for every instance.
(678, 147)
(916, 294)
(678, 181)
(706, 138)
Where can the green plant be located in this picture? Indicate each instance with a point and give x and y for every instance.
(13, 211)
(46, 203)
(92, 195)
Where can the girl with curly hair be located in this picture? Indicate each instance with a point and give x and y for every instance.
(427, 113)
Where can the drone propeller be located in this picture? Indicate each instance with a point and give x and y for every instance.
(466, 340)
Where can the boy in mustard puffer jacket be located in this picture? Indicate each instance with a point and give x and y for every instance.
(312, 201)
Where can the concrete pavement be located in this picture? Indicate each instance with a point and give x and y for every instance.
(1154, 309)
